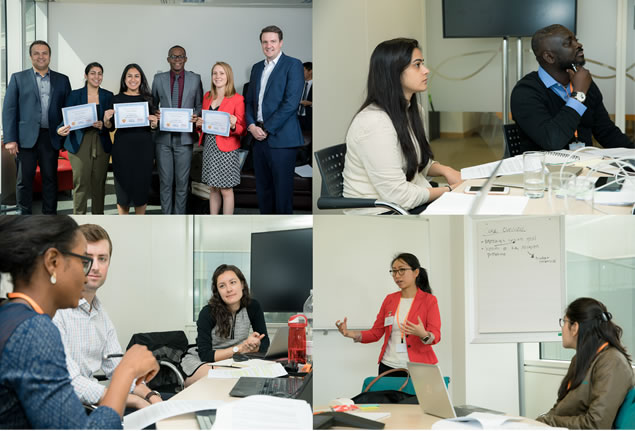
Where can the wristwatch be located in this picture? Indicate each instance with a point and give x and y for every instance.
(235, 349)
(150, 394)
(579, 96)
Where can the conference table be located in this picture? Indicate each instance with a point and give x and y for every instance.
(204, 389)
(544, 206)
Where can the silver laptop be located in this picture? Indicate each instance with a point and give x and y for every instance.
(433, 395)
(482, 194)
(278, 347)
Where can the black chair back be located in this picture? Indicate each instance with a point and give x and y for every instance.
(330, 162)
(517, 141)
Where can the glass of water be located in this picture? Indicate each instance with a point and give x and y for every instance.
(560, 185)
(534, 174)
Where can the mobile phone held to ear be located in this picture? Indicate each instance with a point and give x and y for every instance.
(495, 190)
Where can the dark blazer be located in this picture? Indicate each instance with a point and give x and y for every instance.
(21, 111)
(80, 97)
(551, 125)
(280, 102)
(234, 105)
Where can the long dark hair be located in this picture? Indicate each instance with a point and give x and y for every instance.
(389, 59)
(23, 239)
(595, 327)
(422, 280)
(144, 88)
(220, 311)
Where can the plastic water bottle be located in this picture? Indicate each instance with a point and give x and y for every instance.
(297, 339)
(307, 309)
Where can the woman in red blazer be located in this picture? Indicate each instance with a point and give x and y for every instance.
(221, 163)
(409, 320)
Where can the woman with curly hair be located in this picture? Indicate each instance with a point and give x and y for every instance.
(232, 322)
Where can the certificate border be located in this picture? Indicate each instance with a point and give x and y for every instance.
(75, 107)
(164, 128)
(216, 113)
(119, 125)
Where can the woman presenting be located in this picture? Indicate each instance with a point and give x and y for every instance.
(231, 323)
(387, 154)
(408, 319)
(600, 374)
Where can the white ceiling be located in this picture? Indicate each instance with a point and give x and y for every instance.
(218, 3)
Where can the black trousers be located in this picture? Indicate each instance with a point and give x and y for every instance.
(383, 368)
(274, 169)
(27, 161)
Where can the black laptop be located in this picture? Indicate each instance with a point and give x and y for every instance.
(298, 387)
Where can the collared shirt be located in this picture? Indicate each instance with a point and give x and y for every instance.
(44, 88)
(88, 336)
(561, 91)
(181, 86)
(305, 96)
(269, 66)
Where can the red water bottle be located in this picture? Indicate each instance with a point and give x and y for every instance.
(297, 339)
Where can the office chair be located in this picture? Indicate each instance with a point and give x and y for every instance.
(625, 418)
(330, 162)
(516, 141)
(168, 348)
(394, 383)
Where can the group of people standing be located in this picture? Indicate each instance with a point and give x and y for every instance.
(34, 132)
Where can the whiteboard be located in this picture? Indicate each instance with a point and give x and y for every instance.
(516, 285)
(351, 259)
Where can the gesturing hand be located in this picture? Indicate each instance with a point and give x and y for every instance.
(418, 329)
(341, 326)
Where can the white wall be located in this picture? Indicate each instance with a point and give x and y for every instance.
(346, 33)
(116, 35)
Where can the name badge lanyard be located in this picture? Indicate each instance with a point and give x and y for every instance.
(401, 326)
(576, 131)
(602, 347)
(34, 305)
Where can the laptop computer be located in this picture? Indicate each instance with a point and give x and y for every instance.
(518, 180)
(278, 347)
(482, 194)
(300, 388)
(433, 395)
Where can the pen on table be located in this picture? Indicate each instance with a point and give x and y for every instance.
(114, 355)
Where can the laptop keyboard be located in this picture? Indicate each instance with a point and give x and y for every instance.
(281, 386)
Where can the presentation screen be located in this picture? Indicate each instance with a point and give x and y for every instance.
(500, 18)
(282, 269)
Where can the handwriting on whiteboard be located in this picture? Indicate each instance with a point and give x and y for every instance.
(513, 241)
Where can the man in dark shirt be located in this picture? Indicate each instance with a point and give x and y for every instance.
(31, 112)
(560, 107)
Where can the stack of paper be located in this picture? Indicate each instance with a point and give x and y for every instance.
(166, 409)
(460, 203)
(265, 412)
(257, 368)
(478, 420)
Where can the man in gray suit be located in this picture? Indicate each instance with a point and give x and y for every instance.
(177, 88)
(31, 112)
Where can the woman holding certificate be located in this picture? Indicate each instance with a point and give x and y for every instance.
(408, 320)
(133, 149)
(89, 148)
(221, 163)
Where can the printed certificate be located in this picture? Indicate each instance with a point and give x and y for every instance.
(216, 123)
(176, 120)
(80, 116)
(131, 114)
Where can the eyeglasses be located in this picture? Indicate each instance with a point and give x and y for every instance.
(400, 271)
(561, 322)
(87, 262)
(176, 57)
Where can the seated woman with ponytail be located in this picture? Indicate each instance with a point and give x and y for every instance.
(600, 373)
(408, 319)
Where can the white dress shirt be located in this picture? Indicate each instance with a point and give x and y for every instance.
(269, 66)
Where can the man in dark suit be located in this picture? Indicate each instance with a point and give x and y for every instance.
(305, 111)
(177, 88)
(271, 112)
(560, 107)
(31, 112)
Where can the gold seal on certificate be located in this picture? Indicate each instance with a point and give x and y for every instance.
(131, 114)
(216, 123)
(80, 116)
(176, 120)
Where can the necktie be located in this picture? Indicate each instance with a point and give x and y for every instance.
(175, 92)
(302, 108)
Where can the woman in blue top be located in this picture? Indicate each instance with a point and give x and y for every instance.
(46, 258)
(89, 148)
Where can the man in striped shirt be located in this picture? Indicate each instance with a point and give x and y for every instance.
(89, 335)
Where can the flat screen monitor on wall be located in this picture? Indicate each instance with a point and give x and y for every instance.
(500, 18)
(282, 269)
